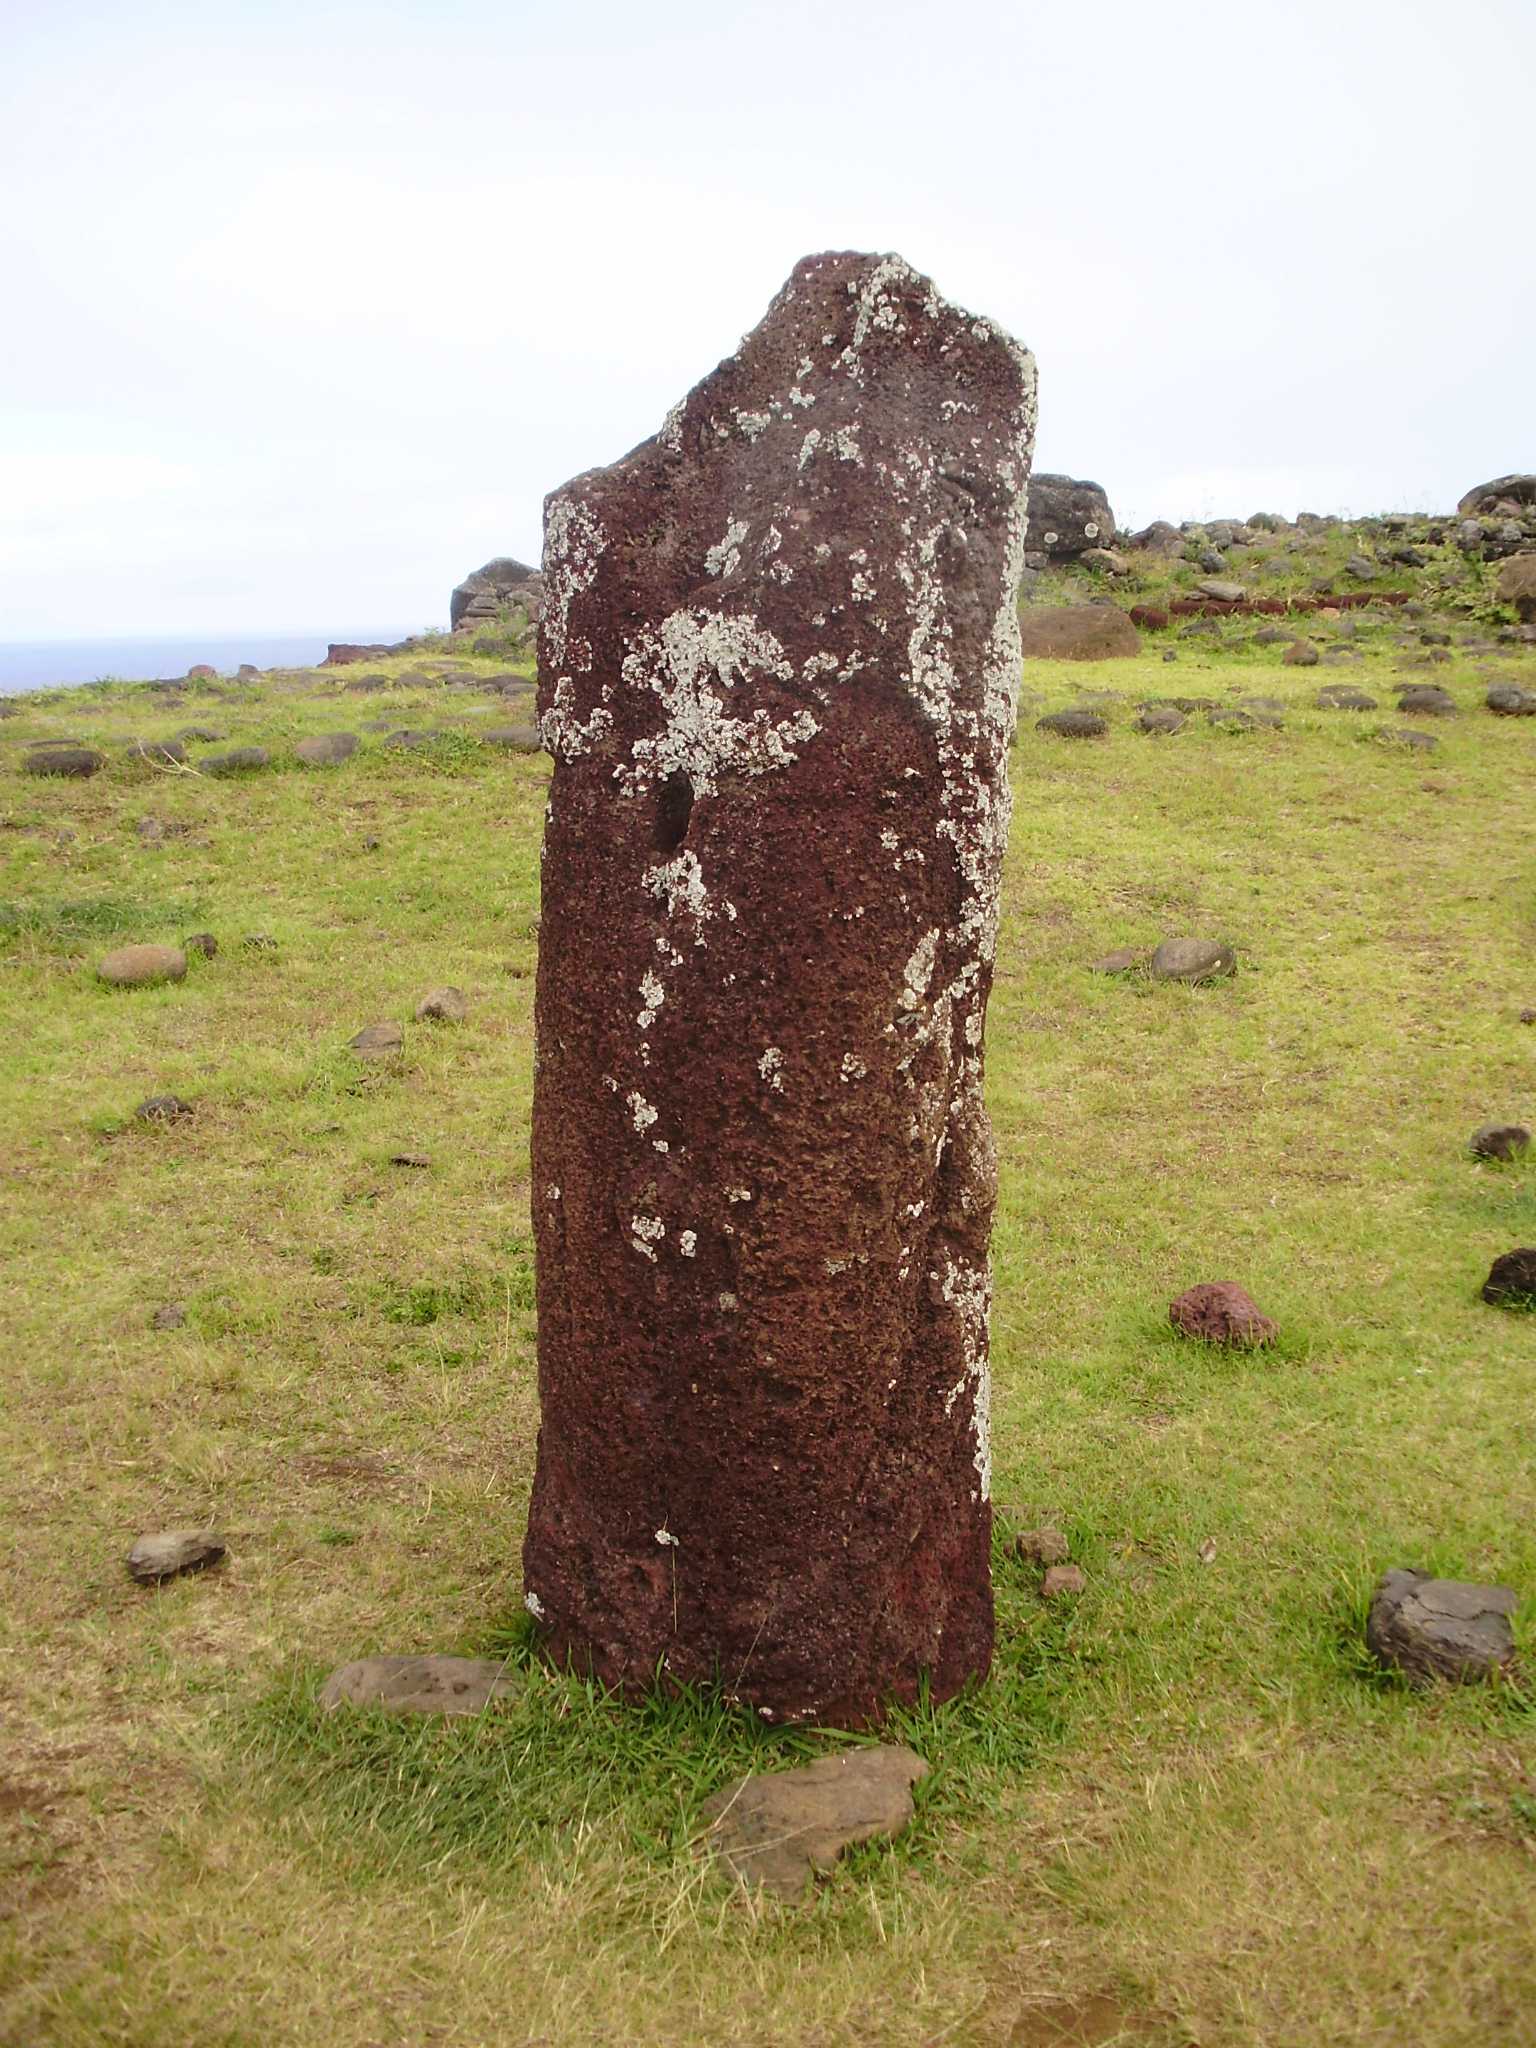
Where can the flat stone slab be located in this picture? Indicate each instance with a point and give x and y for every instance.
(1440, 1628)
(326, 749)
(778, 1829)
(167, 1553)
(418, 1685)
(377, 1041)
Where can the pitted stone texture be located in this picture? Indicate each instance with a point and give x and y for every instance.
(485, 594)
(778, 666)
(1068, 517)
(1440, 1628)
(779, 1828)
(1221, 1313)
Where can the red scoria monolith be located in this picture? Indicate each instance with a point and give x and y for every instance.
(778, 665)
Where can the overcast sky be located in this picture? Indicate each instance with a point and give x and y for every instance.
(309, 304)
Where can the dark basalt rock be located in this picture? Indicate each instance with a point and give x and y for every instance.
(777, 669)
(238, 761)
(1193, 960)
(1067, 516)
(1508, 700)
(1073, 725)
(1340, 697)
(1517, 490)
(326, 749)
(1426, 700)
(1500, 1141)
(485, 594)
(1440, 1628)
(54, 757)
(163, 1109)
(1511, 1281)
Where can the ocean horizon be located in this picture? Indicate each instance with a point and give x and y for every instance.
(144, 657)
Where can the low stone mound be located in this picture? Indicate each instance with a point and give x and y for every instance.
(59, 757)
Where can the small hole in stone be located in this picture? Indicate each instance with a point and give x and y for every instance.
(674, 807)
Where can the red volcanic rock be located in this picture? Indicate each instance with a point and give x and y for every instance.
(778, 663)
(341, 653)
(1221, 1313)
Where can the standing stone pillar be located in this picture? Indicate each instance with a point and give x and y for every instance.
(778, 666)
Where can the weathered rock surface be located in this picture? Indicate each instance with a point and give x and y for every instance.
(57, 757)
(1517, 490)
(238, 761)
(446, 1005)
(1044, 1545)
(1076, 632)
(779, 1828)
(1426, 700)
(1517, 585)
(326, 749)
(1509, 700)
(1161, 718)
(1220, 1312)
(1123, 960)
(1405, 736)
(1078, 724)
(1068, 516)
(1511, 1281)
(418, 1685)
(202, 943)
(142, 966)
(159, 753)
(377, 1041)
(1221, 591)
(1063, 1582)
(1301, 654)
(485, 594)
(778, 661)
(1192, 960)
(1440, 1628)
(166, 1553)
(1341, 697)
(1500, 1141)
(522, 739)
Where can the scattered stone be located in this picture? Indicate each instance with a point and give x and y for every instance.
(1068, 516)
(238, 761)
(1362, 569)
(163, 1109)
(166, 1553)
(1508, 700)
(199, 735)
(203, 943)
(418, 1685)
(1273, 636)
(522, 739)
(1500, 1141)
(1077, 632)
(1124, 960)
(171, 1317)
(1426, 700)
(1405, 736)
(1528, 1016)
(1229, 718)
(407, 740)
(1192, 960)
(1042, 1546)
(142, 966)
(1063, 1582)
(443, 1006)
(202, 672)
(377, 1041)
(150, 830)
(56, 757)
(1440, 1628)
(1511, 1281)
(1219, 1312)
(1221, 592)
(1107, 560)
(421, 1159)
(1301, 654)
(326, 749)
(1341, 697)
(162, 752)
(1073, 725)
(1161, 718)
(259, 942)
(778, 1828)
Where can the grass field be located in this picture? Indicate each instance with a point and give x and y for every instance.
(1184, 1814)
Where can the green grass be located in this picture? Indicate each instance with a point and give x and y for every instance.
(1185, 1809)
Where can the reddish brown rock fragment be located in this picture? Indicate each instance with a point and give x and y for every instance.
(778, 665)
(1221, 1313)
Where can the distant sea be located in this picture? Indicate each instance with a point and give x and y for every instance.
(35, 664)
